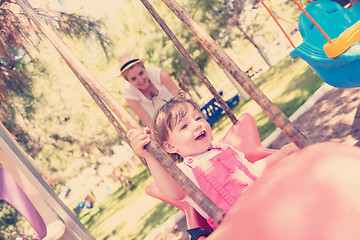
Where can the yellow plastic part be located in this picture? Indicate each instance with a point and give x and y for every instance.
(346, 39)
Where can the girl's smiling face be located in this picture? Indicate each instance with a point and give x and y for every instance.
(190, 134)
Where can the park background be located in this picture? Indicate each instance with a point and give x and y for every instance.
(75, 146)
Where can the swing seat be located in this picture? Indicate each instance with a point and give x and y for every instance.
(11, 193)
(243, 136)
(342, 71)
(346, 39)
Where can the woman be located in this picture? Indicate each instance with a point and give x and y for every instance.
(149, 87)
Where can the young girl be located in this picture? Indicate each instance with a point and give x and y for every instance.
(220, 171)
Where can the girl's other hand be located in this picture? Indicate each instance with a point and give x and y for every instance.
(289, 148)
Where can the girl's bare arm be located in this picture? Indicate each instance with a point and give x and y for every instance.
(168, 186)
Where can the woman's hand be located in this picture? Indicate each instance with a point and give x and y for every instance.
(138, 139)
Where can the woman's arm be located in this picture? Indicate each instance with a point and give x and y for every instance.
(169, 83)
(140, 111)
(167, 185)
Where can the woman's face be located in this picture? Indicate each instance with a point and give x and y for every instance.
(137, 76)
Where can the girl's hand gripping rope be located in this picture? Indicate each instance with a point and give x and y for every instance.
(138, 139)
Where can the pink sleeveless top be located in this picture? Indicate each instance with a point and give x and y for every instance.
(222, 178)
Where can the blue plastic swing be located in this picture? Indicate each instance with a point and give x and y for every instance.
(344, 70)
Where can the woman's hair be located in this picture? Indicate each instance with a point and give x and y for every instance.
(167, 116)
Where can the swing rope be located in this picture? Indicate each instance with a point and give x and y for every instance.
(274, 113)
(103, 97)
(190, 60)
(110, 117)
(312, 20)
(277, 23)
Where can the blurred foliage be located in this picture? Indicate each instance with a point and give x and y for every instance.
(19, 65)
(10, 229)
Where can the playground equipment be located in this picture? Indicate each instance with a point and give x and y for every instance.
(342, 43)
(11, 193)
(342, 67)
(23, 187)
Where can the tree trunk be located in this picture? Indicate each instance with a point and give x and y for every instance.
(259, 49)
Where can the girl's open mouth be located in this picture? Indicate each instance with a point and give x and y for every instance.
(201, 135)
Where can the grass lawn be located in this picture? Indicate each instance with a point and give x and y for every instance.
(125, 214)
(122, 216)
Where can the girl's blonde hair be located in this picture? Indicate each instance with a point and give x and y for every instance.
(167, 116)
